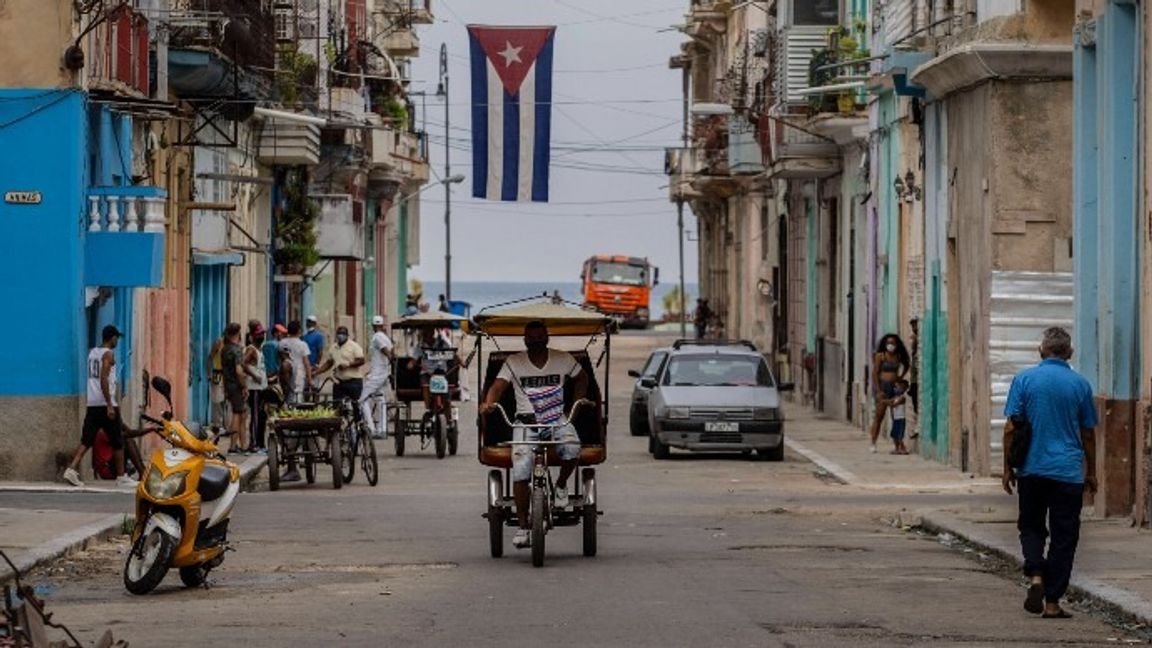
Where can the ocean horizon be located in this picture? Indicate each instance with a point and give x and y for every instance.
(482, 294)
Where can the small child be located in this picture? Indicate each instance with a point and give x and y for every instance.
(896, 405)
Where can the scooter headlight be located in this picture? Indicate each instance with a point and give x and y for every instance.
(161, 487)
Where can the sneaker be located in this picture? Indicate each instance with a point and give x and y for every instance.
(522, 539)
(291, 476)
(560, 499)
(125, 480)
(262, 452)
(73, 477)
(873, 449)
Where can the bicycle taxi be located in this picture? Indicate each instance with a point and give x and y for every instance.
(498, 434)
(438, 425)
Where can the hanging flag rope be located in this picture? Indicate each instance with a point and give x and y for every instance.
(511, 112)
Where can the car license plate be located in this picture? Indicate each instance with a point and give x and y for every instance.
(721, 426)
(438, 385)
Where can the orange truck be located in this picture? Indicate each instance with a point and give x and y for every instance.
(620, 286)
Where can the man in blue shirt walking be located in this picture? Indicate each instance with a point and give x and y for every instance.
(314, 339)
(1057, 402)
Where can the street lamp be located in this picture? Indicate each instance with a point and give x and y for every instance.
(450, 180)
(442, 91)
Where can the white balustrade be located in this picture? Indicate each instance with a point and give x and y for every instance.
(130, 211)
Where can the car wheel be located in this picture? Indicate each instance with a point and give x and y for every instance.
(638, 424)
(659, 450)
(772, 454)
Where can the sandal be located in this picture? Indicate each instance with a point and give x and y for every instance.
(1034, 602)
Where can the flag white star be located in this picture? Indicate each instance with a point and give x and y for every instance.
(511, 54)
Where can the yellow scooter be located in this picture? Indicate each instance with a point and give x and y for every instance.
(183, 505)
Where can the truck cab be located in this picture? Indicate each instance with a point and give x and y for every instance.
(620, 287)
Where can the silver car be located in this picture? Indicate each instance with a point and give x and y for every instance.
(715, 396)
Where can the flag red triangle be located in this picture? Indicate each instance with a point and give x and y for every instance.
(511, 50)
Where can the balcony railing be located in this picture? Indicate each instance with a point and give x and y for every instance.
(242, 30)
(126, 209)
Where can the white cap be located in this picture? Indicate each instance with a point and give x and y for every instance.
(378, 321)
(310, 318)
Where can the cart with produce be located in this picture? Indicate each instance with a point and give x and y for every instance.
(305, 435)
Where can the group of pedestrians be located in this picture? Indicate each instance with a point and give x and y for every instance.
(1049, 454)
(288, 368)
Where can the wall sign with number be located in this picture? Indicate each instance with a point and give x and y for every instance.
(22, 197)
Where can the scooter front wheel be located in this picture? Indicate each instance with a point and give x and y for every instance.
(147, 562)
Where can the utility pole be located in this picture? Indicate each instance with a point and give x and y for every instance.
(680, 202)
(442, 91)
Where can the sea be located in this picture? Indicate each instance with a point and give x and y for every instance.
(482, 294)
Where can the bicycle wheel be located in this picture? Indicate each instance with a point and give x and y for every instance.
(368, 458)
(348, 435)
(440, 435)
(453, 437)
(539, 499)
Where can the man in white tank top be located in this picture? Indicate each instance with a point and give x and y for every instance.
(103, 408)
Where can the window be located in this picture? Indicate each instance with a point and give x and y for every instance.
(717, 371)
(815, 12)
(619, 273)
(654, 364)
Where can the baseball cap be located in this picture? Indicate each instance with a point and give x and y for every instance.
(378, 321)
(310, 318)
(279, 328)
(258, 329)
(110, 332)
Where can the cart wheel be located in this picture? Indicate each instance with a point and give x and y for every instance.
(309, 463)
(440, 434)
(348, 453)
(368, 458)
(335, 454)
(496, 517)
(398, 431)
(453, 438)
(273, 462)
(539, 501)
(589, 514)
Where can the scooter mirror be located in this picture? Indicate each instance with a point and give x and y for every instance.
(163, 387)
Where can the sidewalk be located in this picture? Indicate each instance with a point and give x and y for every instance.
(1112, 566)
(33, 535)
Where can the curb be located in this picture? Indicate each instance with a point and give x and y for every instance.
(841, 473)
(849, 478)
(63, 545)
(79, 539)
(1125, 601)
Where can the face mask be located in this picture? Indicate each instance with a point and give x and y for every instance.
(258, 340)
(891, 348)
(341, 338)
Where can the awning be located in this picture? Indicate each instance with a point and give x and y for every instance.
(218, 258)
(560, 320)
(431, 319)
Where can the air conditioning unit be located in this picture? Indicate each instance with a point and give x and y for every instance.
(308, 29)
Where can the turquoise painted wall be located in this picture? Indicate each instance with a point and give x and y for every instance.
(889, 217)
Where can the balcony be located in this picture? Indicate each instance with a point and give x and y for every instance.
(289, 144)
(408, 12)
(220, 48)
(801, 153)
(124, 245)
(402, 152)
(118, 54)
(402, 42)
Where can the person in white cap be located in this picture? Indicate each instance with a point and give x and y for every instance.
(380, 352)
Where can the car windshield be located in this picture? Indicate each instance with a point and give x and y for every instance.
(619, 273)
(717, 371)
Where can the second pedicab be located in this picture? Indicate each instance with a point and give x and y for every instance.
(499, 434)
(438, 423)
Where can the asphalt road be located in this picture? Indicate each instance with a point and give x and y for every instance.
(697, 551)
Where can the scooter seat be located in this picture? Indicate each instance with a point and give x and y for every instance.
(213, 483)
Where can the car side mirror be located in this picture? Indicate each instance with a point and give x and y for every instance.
(648, 383)
(632, 373)
(786, 387)
(655, 277)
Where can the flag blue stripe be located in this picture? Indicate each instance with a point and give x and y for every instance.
(479, 119)
(511, 179)
(542, 152)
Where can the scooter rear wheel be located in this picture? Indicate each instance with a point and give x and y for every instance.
(147, 562)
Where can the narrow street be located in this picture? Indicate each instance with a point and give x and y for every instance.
(697, 551)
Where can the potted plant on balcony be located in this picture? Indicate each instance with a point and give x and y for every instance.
(297, 70)
(296, 227)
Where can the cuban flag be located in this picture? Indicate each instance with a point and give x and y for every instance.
(511, 112)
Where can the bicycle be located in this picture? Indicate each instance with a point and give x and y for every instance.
(355, 440)
(542, 500)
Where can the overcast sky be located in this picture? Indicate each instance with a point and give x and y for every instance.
(615, 96)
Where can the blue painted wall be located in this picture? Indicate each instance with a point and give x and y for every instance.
(1107, 189)
(43, 147)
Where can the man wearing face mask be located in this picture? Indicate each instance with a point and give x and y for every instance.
(345, 357)
(538, 376)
